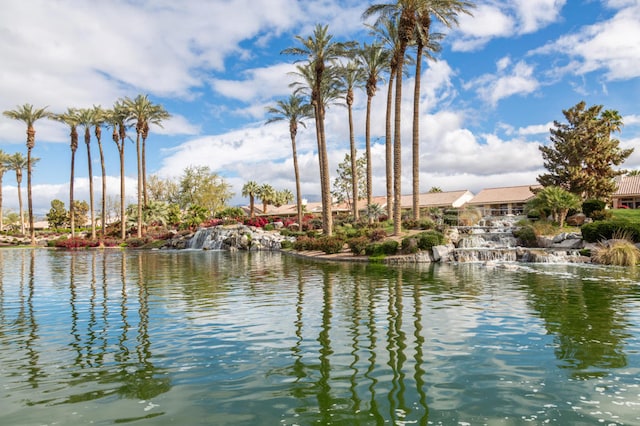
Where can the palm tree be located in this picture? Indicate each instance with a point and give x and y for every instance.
(117, 119)
(293, 110)
(143, 112)
(97, 122)
(86, 119)
(320, 49)
(373, 59)
(17, 162)
(266, 193)
(156, 115)
(29, 115)
(72, 119)
(445, 11)
(251, 189)
(387, 31)
(4, 158)
(351, 75)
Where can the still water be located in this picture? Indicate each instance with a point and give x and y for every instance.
(217, 338)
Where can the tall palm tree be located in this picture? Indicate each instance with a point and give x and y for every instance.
(373, 59)
(251, 189)
(405, 13)
(351, 76)
(71, 118)
(320, 49)
(386, 30)
(97, 122)
(445, 11)
(157, 114)
(18, 162)
(85, 119)
(138, 110)
(117, 118)
(4, 158)
(29, 115)
(293, 110)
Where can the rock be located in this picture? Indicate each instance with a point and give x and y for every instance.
(576, 220)
(442, 253)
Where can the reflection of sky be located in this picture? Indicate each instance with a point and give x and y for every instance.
(232, 328)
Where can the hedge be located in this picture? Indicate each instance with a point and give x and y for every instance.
(608, 229)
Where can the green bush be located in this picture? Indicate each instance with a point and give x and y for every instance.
(304, 242)
(600, 215)
(286, 244)
(428, 239)
(592, 205)
(330, 245)
(410, 245)
(377, 234)
(526, 236)
(135, 242)
(388, 247)
(607, 229)
(358, 245)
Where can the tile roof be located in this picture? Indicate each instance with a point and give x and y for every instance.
(627, 185)
(508, 194)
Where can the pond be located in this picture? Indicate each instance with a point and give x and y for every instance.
(209, 337)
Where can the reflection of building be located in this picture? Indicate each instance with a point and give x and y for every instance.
(628, 193)
(503, 201)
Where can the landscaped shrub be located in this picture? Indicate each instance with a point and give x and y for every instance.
(135, 242)
(74, 243)
(258, 222)
(526, 236)
(286, 245)
(617, 252)
(607, 229)
(377, 234)
(428, 239)
(600, 215)
(304, 242)
(410, 245)
(388, 247)
(358, 245)
(330, 245)
(592, 205)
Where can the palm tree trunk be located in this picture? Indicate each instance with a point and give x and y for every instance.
(103, 215)
(325, 180)
(416, 136)
(1, 213)
(20, 204)
(144, 171)
(139, 226)
(91, 204)
(368, 155)
(296, 171)
(72, 214)
(354, 171)
(30, 198)
(123, 219)
(397, 152)
(388, 145)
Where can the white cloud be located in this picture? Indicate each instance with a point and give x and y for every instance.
(510, 80)
(536, 14)
(612, 46)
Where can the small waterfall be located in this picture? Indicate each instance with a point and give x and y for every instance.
(485, 255)
(205, 239)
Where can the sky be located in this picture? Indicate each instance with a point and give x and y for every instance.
(487, 101)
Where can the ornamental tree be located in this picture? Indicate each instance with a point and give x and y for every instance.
(582, 153)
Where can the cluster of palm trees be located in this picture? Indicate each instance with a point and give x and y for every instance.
(126, 113)
(333, 69)
(268, 195)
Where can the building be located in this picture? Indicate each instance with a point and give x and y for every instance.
(628, 193)
(509, 200)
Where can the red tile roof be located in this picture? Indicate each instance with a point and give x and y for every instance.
(508, 194)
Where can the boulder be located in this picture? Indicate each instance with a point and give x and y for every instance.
(576, 220)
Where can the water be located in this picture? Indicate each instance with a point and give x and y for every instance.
(205, 337)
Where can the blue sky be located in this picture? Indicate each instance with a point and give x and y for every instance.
(487, 103)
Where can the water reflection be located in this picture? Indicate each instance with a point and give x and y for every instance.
(205, 337)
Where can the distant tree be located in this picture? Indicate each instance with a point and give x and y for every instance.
(633, 172)
(582, 154)
(80, 211)
(282, 197)
(251, 189)
(58, 216)
(4, 158)
(17, 162)
(266, 194)
(435, 189)
(200, 187)
(166, 190)
(342, 184)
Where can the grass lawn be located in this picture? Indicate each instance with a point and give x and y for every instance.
(632, 215)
